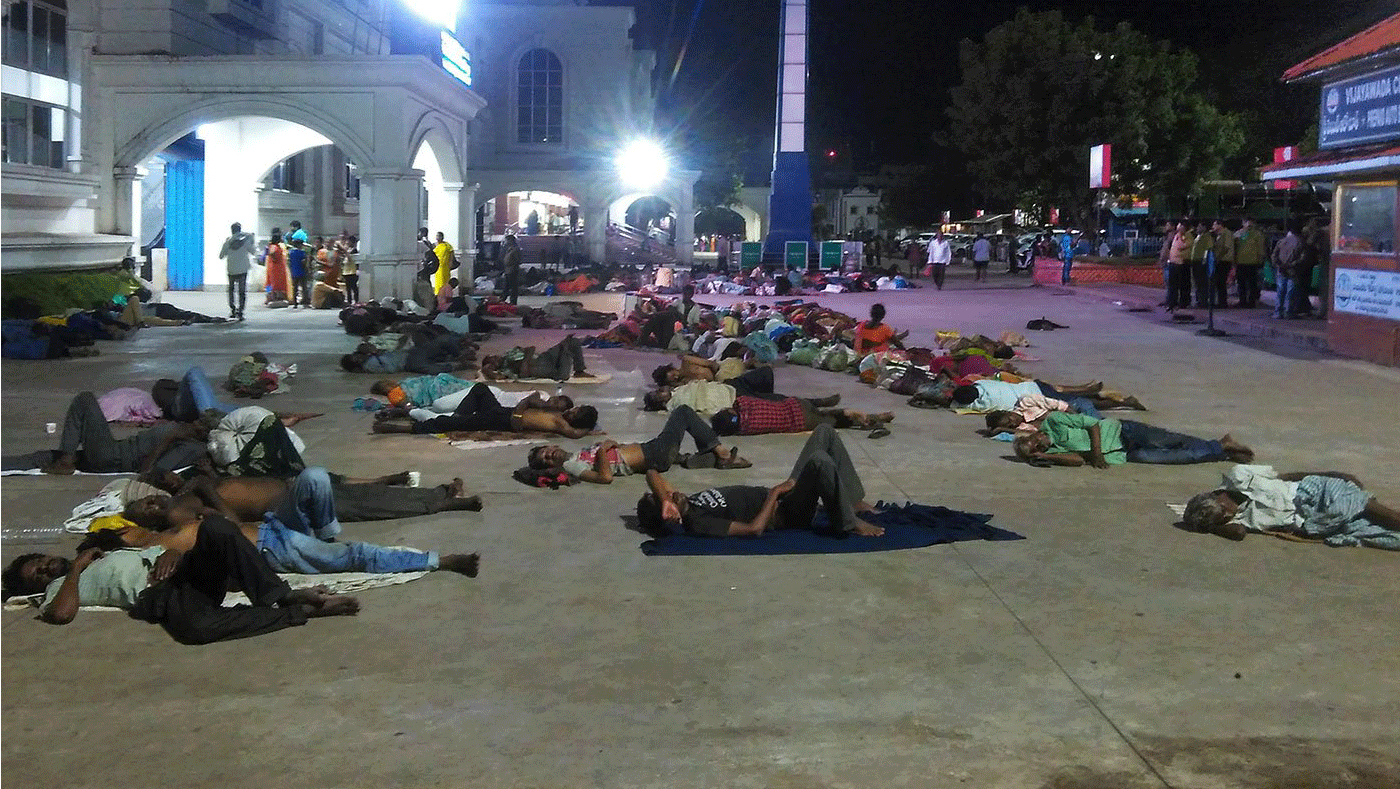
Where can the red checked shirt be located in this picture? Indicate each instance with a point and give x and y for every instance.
(769, 416)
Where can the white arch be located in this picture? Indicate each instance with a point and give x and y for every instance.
(156, 136)
(434, 133)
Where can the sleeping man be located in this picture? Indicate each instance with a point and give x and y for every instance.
(601, 462)
(823, 474)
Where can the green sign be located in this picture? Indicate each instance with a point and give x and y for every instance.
(795, 255)
(831, 255)
(751, 254)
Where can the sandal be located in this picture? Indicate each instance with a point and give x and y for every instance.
(879, 432)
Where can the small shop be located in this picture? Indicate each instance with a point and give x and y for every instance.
(1359, 152)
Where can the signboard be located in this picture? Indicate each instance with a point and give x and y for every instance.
(1360, 109)
(1100, 166)
(831, 255)
(751, 254)
(1285, 154)
(455, 59)
(1375, 294)
(795, 255)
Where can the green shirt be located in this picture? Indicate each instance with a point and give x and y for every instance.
(114, 580)
(1070, 433)
(1225, 247)
(1249, 248)
(1199, 246)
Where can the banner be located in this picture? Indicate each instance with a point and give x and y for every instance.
(1285, 154)
(1375, 294)
(1100, 166)
(1359, 110)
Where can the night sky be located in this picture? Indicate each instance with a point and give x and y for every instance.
(880, 70)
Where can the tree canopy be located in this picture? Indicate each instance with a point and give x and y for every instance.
(1037, 92)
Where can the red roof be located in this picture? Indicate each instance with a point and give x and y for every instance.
(1378, 38)
(1334, 161)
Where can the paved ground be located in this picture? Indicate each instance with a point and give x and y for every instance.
(1108, 649)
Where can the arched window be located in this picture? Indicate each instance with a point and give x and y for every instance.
(539, 99)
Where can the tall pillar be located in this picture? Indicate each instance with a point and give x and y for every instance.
(595, 230)
(126, 201)
(685, 226)
(466, 232)
(388, 209)
(790, 206)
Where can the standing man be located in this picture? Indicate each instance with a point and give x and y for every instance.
(1164, 259)
(1179, 287)
(1322, 244)
(1314, 242)
(1201, 246)
(940, 253)
(1224, 261)
(443, 251)
(1287, 254)
(1066, 256)
(982, 258)
(915, 256)
(300, 274)
(237, 252)
(573, 220)
(1249, 258)
(510, 258)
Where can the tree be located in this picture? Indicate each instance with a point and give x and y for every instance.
(1037, 92)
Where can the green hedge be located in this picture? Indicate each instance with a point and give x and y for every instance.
(55, 292)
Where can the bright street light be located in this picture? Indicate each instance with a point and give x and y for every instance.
(642, 165)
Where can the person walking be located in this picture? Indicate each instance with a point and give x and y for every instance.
(1224, 261)
(444, 253)
(940, 254)
(1287, 253)
(510, 258)
(237, 253)
(981, 258)
(1249, 258)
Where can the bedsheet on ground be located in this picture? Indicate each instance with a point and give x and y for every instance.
(906, 526)
(338, 583)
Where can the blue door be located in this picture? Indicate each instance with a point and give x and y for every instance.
(184, 224)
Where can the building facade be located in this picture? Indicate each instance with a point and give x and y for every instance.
(131, 126)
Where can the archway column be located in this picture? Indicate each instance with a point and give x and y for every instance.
(466, 232)
(388, 209)
(685, 226)
(595, 229)
(126, 202)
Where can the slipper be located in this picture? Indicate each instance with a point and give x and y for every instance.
(879, 432)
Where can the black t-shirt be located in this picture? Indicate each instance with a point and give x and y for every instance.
(712, 510)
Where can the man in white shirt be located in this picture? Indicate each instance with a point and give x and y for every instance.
(237, 252)
(940, 254)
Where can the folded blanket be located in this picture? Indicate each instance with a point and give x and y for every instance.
(906, 526)
(339, 583)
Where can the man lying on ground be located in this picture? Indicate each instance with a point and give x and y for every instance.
(174, 524)
(601, 462)
(1325, 505)
(87, 445)
(556, 362)
(182, 591)
(989, 395)
(822, 474)
(428, 355)
(1029, 410)
(1075, 439)
(697, 368)
(480, 410)
(707, 397)
(752, 416)
(316, 500)
(405, 399)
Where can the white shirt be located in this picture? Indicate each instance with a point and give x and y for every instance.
(940, 253)
(238, 251)
(1270, 499)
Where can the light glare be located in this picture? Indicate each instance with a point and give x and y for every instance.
(642, 164)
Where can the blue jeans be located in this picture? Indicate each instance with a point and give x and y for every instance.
(1151, 444)
(195, 396)
(310, 505)
(1083, 405)
(291, 551)
(1069, 263)
(1284, 293)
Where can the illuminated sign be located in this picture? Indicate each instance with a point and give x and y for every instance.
(1360, 110)
(455, 59)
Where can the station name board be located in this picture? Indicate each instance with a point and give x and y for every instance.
(1360, 110)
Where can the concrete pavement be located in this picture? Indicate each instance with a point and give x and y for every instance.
(1108, 649)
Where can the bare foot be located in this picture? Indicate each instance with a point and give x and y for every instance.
(335, 605)
(63, 464)
(291, 419)
(865, 506)
(885, 418)
(867, 529)
(1236, 451)
(457, 488)
(464, 563)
